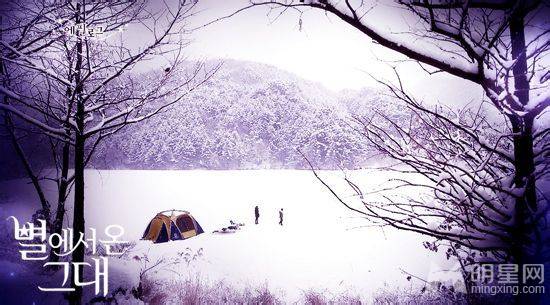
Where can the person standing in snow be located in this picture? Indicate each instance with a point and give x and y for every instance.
(281, 217)
(257, 213)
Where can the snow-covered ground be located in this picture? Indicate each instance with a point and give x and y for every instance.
(321, 245)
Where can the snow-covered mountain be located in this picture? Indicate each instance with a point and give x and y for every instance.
(249, 115)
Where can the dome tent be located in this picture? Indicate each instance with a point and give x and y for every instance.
(163, 228)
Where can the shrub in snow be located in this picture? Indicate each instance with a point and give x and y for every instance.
(194, 289)
(312, 297)
(436, 294)
(417, 297)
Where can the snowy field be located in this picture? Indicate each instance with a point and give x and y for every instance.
(321, 245)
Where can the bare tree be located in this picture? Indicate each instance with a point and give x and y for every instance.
(79, 90)
(464, 160)
(24, 30)
(26, 27)
(455, 182)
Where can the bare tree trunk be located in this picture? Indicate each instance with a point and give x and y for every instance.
(78, 213)
(63, 185)
(525, 205)
(524, 162)
(79, 158)
(57, 223)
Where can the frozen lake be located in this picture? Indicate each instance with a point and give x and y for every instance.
(321, 245)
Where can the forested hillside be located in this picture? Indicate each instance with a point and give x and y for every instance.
(248, 116)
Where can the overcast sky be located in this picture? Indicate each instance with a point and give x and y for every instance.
(325, 50)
